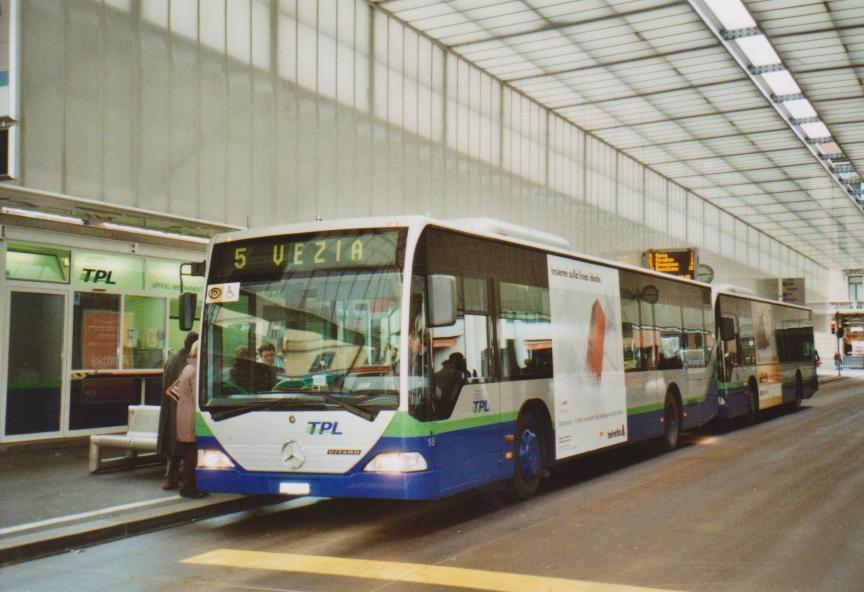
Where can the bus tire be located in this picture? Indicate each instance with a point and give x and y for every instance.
(671, 423)
(529, 456)
(751, 415)
(799, 391)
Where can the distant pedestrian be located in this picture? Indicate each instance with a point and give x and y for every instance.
(185, 433)
(838, 363)
(166, 440)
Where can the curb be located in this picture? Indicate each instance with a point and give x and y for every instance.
(24, 547)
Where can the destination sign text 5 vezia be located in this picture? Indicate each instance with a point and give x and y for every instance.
(281, 254)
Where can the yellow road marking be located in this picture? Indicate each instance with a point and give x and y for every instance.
(415, 573)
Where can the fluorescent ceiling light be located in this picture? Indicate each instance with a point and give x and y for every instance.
(781, 83)
(731, 14)
(758, 50)
(41, 215)
(151, 232)
(816, 130)
(829, 148)
(800, 108)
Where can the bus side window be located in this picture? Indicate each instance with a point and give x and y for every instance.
(525, 332)
(631, 329)
(730, 343)
(460, 352)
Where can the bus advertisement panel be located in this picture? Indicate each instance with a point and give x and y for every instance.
(767, 361)
(587, 347)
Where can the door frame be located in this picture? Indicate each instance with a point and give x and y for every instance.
(31, 288)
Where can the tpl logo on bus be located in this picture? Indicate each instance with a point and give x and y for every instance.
(96, 276)
(481, 406)
(319, 428)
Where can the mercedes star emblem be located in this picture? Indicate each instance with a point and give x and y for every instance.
(293, 455)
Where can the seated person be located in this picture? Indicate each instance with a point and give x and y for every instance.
(450, 378)
(250, 375)
(267, 355)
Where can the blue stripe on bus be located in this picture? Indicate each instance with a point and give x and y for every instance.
(458, 460)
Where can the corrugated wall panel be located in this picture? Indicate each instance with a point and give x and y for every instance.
(261, 111)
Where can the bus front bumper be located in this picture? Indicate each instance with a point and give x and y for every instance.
(415, 486)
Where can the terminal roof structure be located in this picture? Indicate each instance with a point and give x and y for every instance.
(758, 107)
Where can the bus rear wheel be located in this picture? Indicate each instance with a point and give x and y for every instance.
(528, 455)
(749, 417)
(671, 424)
(799, 391)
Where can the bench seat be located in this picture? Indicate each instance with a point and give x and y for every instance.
(140, 438)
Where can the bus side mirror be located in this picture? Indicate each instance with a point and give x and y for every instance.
(442, 300)
(188, 301)
(727, 328)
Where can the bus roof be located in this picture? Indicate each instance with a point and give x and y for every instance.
(480, 227)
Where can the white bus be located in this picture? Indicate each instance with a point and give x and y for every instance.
(768, 353)
(414, 358)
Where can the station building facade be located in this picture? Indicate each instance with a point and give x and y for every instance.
(222, 114)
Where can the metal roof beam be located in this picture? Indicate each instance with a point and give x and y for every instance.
(574, 23)
(655, 93)
(723, 137)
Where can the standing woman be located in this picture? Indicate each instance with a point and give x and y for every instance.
(167, 440)
(185, 446)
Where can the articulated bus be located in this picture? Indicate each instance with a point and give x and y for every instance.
(768, 355)
(412, 358)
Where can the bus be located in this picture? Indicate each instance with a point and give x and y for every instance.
(414, 358)
(768, 355)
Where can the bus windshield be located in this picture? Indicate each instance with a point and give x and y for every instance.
(301, 336)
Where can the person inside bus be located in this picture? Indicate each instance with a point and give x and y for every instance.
(450, 379)
(251, 376)
(267, 356)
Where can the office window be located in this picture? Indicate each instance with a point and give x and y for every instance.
(96, 331)
(143, 332)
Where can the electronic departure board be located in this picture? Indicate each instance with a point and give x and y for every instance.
(680, 262)
(273, 256)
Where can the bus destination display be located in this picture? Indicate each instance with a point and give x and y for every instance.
(681, 263)
(286, 254)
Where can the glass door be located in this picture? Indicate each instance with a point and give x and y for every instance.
(35, 362)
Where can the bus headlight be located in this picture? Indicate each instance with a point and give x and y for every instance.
(213, 459)
(397, 462)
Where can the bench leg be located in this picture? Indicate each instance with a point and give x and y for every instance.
(95, 457)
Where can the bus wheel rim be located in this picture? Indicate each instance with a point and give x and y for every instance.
(671, 423)
(529, 455)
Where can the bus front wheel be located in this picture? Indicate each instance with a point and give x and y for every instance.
(671, 424)
(529, 456)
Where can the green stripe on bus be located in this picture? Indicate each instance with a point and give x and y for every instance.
(201, 428)
(644, 409)
(404, 426)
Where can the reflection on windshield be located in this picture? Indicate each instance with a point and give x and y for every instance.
(331, 332)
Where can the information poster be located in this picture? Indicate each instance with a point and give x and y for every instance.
(100, 336)
(588, 357)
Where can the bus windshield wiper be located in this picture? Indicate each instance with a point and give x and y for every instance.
(274, 404)
(277, 403)
(356, 410)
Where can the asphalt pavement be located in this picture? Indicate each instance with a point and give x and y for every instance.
(52, 504)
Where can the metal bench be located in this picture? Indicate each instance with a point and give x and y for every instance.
(140, 437)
